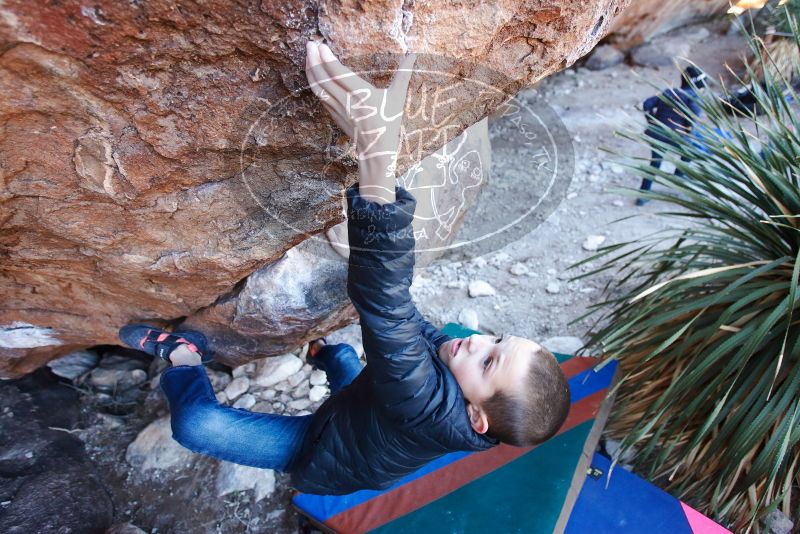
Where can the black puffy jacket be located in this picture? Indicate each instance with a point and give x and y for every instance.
(405, 408)
(666, 108)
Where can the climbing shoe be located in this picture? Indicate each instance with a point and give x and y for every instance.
(313, 348)
(160, 343)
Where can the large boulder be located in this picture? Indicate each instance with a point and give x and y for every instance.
(154, 155)
(657, 55)
(603, 57)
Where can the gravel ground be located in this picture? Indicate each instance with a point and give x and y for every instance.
(593, 105)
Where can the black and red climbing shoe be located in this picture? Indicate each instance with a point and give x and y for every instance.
(160, 343)
(313, 348)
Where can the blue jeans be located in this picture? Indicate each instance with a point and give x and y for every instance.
(655, 161)
(269, 441)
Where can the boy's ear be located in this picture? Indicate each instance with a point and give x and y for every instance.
(477, 418)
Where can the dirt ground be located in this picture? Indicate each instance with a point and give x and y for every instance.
(537, 304)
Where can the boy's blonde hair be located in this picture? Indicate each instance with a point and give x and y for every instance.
(535, 412)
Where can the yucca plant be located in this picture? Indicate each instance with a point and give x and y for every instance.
(772, 25)
(704, 319)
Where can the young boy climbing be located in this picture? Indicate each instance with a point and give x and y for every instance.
(422, 393)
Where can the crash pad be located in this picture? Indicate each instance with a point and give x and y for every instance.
(504, 489)
(616, 501)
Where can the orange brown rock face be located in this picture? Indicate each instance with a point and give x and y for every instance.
(125, 128)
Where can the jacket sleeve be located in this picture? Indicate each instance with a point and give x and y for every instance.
(432, 334)
(650, 104)
(694, 105)
(381, 266)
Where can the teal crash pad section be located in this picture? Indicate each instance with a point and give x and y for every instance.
(524, 496)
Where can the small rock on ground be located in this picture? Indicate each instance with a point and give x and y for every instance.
(245, 402)
(296, 378)
(499, 259)
(262, 407)
(468, 318)
(592, 242)
(479, 262)
(617, 169)
(234, 477)
(519, 269)
(244, 370)
(301, 390)
(219, 380)
(777, 523)
(278, 369)
(125, 528)
(154, 448)
(300, 404)
(116, 379)
(268, 394)
(318, 377)
(480, 288)
(317, 393)
(660, 54)
(74, 365)
(237, 387)
(603, 57)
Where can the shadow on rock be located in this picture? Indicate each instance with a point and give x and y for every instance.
(47, 481)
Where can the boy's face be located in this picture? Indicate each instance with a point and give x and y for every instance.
(484, 365)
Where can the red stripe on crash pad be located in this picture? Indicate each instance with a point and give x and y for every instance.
(405, 499)
(577, 365)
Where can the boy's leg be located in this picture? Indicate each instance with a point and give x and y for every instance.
(201, 424)
(679, 173)
(655, 161)
(340, 362)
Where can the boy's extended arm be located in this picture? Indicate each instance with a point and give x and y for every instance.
(380, 235)
(396, 340)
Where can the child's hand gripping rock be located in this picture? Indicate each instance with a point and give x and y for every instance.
(372, 117)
